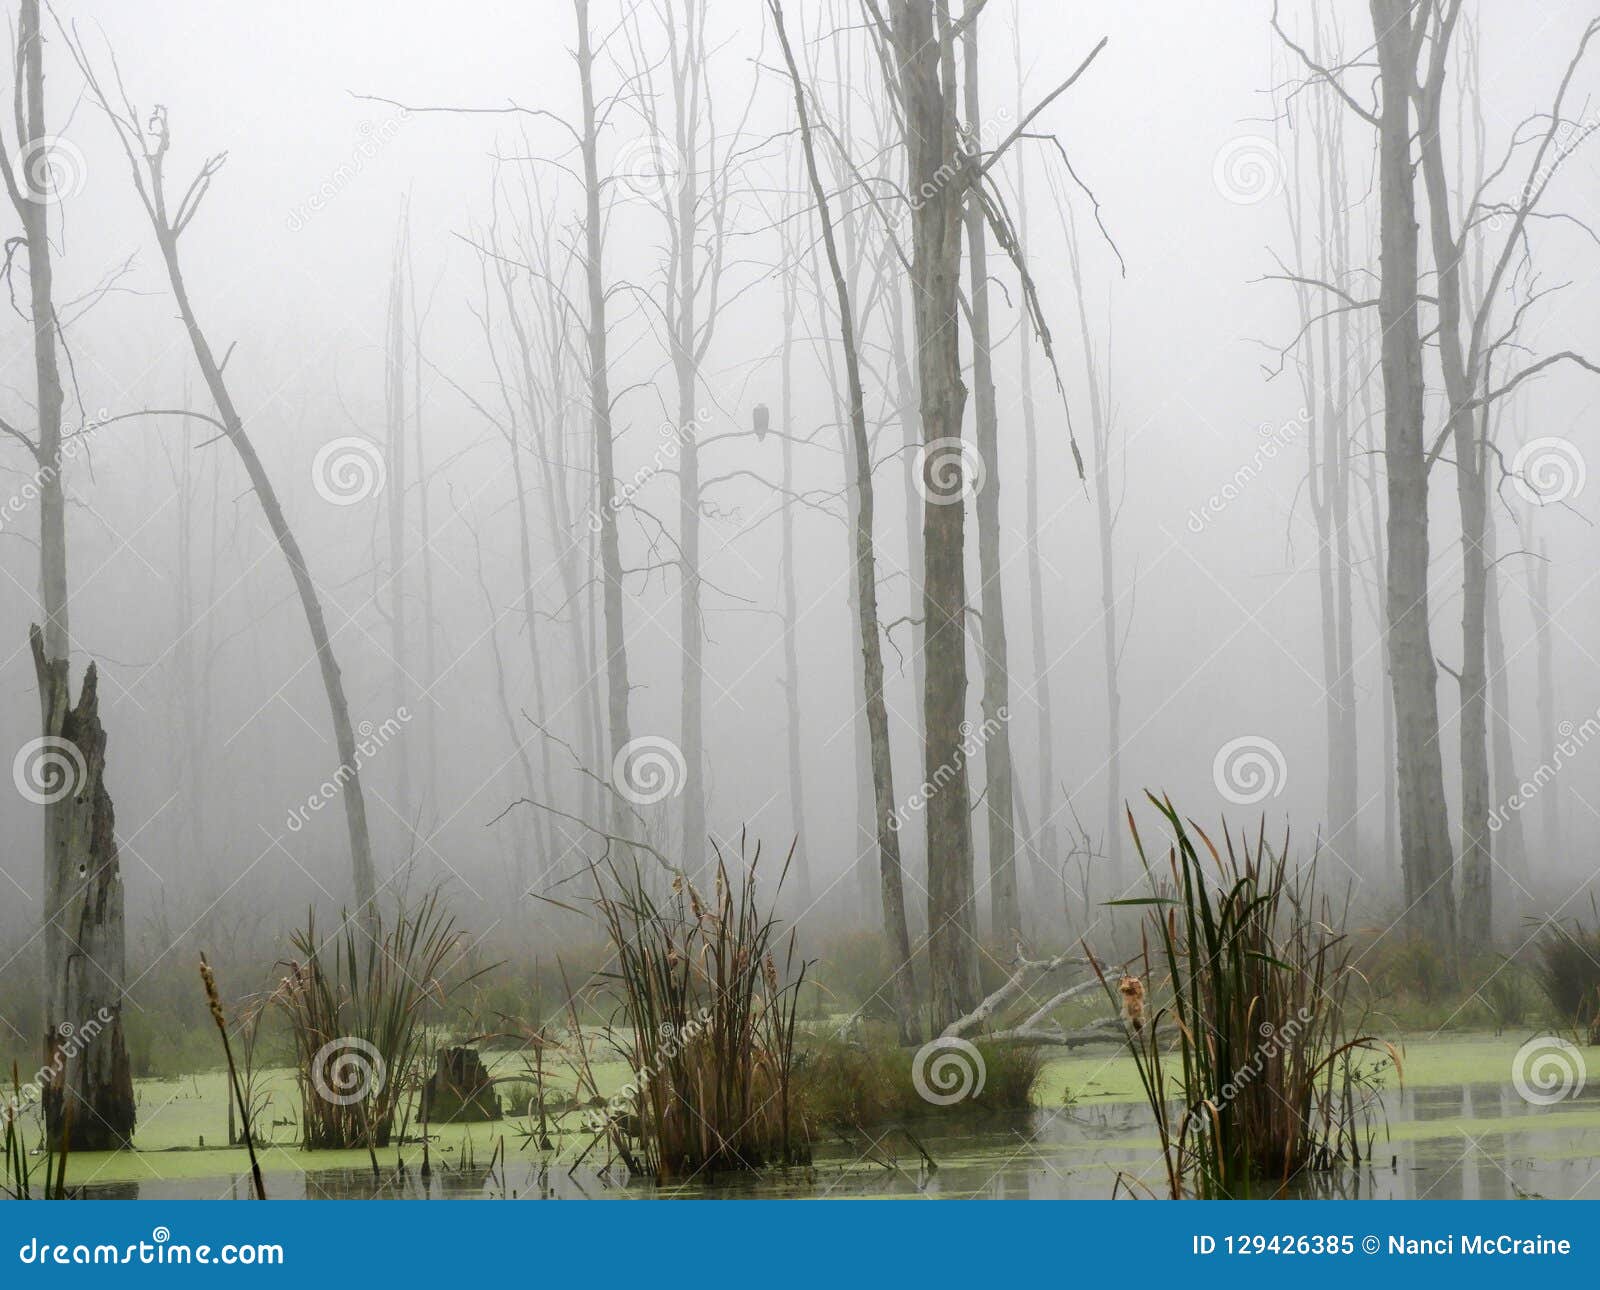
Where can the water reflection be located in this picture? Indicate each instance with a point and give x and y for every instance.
(1473, 1142)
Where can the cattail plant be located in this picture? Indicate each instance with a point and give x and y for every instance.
(708, 990)
(357, 1017)
(214, 1003)
(1244, 1048)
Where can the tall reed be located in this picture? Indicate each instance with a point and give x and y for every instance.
(357, 1017)
(709, 1018)
(1251, 983)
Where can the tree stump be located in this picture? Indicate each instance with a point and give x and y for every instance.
(459, 1091)
(88, 1084)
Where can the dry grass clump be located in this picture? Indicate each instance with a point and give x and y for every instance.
(357, 1017)
(1253, 983)
(1567, 967)
(708, 999)
(868, 1085)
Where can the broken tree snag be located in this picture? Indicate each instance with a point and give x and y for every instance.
(87, 1091)
(459, 1091)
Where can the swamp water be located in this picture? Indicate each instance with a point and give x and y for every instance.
(1452, 1132)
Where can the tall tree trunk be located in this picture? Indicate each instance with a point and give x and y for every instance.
(1005, 909)
(88, 1094)
(1458, 365)
(1425, 850)
(430, 656)
(866, 581)
(600, 409)
(1512, 845)
(787, 593)
(925, 62)
(363, 874)
(1105, 527)
(395, 499)
(1043, 842)
(1550, 830)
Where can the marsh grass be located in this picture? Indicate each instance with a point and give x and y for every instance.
(842, 1084)
(1251, 986)
(356, 1006)
(1567, 967)
(708, 993)
(17, 1178)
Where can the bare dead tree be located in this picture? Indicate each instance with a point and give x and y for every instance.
(1467, 352)
(892, 892)
(693, 187)
(88, 1093)
(147, 146)
(1005, 910)
(394, 403)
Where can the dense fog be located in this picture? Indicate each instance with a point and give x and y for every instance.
(392, 259)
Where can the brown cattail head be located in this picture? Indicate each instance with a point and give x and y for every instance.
(213, 1001)
(1132, 990)
(769, 969)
